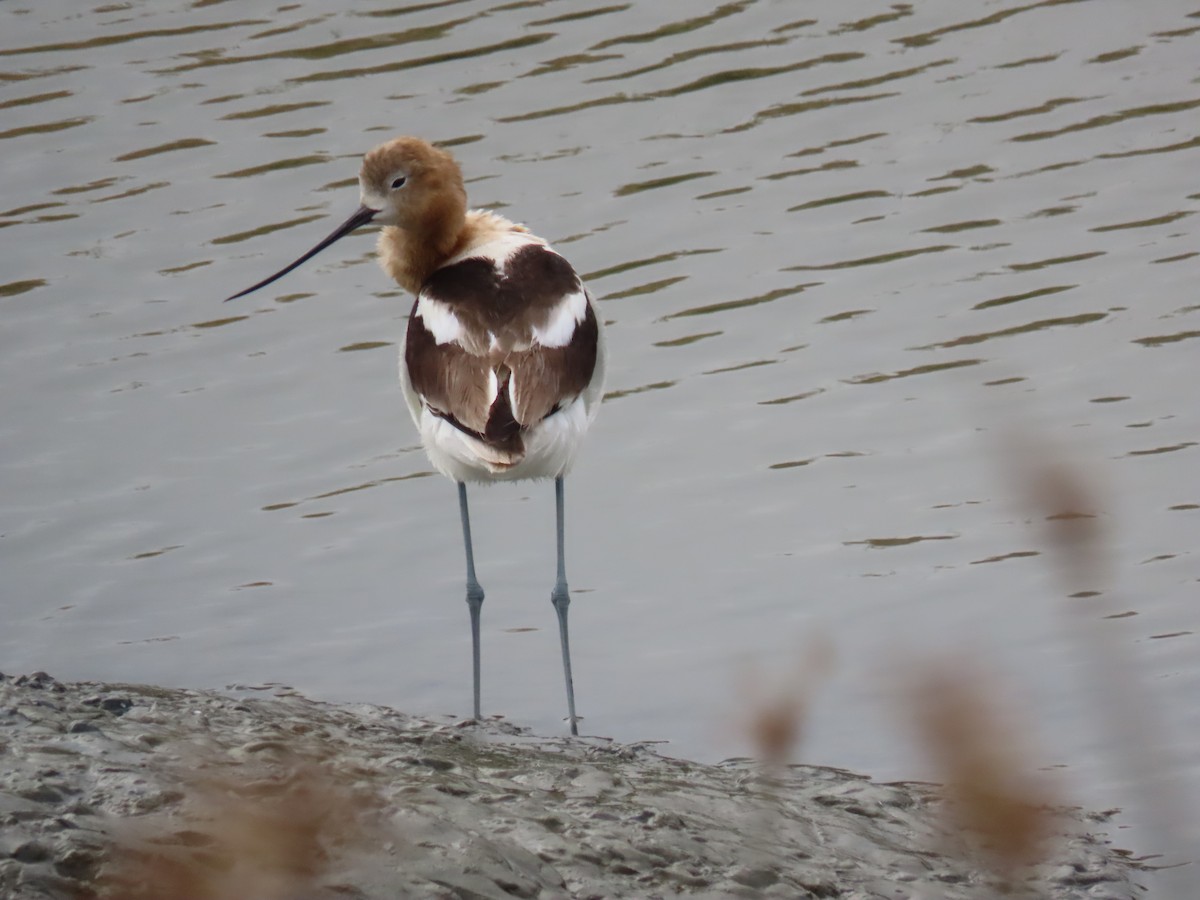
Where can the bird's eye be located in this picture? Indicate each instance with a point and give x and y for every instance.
(398, 183)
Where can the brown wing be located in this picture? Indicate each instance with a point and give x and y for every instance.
(544, 378)
(452, 381)
(488, 317)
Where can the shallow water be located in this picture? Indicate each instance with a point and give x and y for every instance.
(847, 253)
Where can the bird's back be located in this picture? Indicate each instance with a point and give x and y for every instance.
(503, 360)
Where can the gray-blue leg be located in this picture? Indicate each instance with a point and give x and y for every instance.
(474, 591)
(561, 599)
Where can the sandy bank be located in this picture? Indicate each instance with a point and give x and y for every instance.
(136, 791)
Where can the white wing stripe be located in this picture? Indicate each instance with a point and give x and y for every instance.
(439, 319)
(493, 387)
(564, 317)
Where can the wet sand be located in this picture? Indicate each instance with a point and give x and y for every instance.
(134, 791)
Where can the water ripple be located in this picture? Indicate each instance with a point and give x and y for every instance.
(1136, 112)
(519, 43)
(877, 259)
(929, 37)
(673, 29)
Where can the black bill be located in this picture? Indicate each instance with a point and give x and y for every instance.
(362, 216)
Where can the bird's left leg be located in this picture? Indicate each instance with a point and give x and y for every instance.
(561, 599)
(474, 590)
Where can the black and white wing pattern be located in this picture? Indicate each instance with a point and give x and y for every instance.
(500, 339)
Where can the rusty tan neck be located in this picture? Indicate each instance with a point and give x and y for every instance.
(410, 255)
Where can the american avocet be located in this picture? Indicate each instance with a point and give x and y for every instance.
(503, 362)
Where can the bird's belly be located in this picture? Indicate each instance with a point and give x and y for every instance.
(550, 448)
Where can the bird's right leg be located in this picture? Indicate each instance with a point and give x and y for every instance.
(474, 590)
(561, 598)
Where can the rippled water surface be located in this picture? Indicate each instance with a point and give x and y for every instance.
(848, 252)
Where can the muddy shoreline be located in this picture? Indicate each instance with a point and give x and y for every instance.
(134, 791)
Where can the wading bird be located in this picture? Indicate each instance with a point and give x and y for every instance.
(503, 362)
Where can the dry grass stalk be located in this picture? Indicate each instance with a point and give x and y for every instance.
(989, 790)
(1069, 498)
(246, 836)
(1066, 496)
(774, 721)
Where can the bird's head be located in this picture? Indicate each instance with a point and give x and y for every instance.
(408, 183)
(411, 184)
